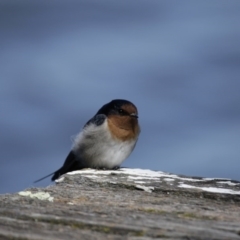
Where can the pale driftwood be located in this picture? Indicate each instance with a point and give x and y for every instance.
(124, 204)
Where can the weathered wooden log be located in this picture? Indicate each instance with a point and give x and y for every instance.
(124, 204)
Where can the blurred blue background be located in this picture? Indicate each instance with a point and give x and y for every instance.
(178, 61)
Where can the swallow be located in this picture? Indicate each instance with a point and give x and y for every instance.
(105, 141)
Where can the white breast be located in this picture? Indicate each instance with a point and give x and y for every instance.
(96, 148)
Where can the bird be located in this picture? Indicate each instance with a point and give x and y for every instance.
(105, 141)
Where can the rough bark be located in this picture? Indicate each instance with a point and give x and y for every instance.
(124, 204)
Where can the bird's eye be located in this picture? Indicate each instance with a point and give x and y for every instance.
(120, 111)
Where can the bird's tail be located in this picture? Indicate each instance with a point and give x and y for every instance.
(56, 174)
(60, 172)
(70, 164)
(44, 177)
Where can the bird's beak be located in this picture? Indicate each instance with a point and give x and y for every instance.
(134, 115)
